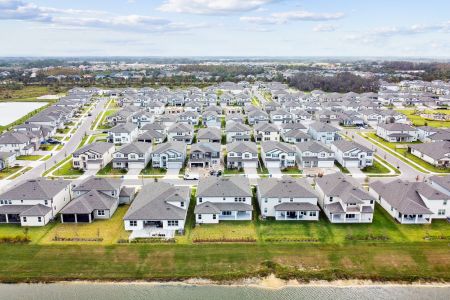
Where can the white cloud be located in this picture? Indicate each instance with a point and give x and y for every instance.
(23, 11)
(211, 6)
(300, 15)
(324, 28)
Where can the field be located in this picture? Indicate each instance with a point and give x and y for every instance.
(417, 120)
(28, 93)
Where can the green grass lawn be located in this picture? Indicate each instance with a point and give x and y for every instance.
(29, 157)
(7, 172)
(390, 145)
(102, 124)
(35, 234)
(66, 169)
(47, 147)
(418, 120)
(262, 169)
(149, 170)
(429, 167)
(224, 231)
(108, 170)
(233, 171)
(109, 230)
(341, 168)
(256, 102)
(291, 170)
(376, 168)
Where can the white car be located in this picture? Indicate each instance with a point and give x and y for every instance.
(191, 176)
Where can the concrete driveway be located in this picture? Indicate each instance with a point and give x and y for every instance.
(275, 172)
(251, 172)
(172, 173)
(356, 173)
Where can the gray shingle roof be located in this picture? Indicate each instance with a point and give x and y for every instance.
(285, 187)
(127, 127)
(443, 181)
(397, 127)
(135, 147)
(241, 147)
(296, 206)
(215, 208)
(209, 133)
(88, 202)
(323, 127)
(436, 150)
(99, 184)
(35, 189)
(344, 146)
(405, 196)
(98, 147)
(267, 146)
(177, 146)
(152, 203)
(235, 186)
(312, 146)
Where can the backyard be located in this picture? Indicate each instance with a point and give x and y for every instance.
(418, 120)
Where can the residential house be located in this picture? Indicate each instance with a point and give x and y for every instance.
(135, 155)
(323, 132)
(155, 107)
(93, 156)
(280, 116)
(343, 200)
(278, 154)
(238, 118)
(313, 154)
(170, 155)
(159, 211)
(16, 142)
(436, 154)
(257, 116)
(287, 199)
(397, 132)
(151, 136)
(266, 132)
(223, 198)
(188, 117)
(237, 132)
(34, 202)
(350, 154)
(242, 155)
(7, 160)
(205, 155)
(211, 119)
(123, 134)
(180, 132)
(209, 135)
(411, 202)
(142, 118)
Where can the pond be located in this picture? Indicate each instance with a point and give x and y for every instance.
(12, 111)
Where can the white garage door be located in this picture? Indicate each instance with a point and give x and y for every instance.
(326, 164)
(351, 164)
(249, 164)
(174, 165)
(272, 164)
(135, 165)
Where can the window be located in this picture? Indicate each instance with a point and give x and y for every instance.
(265, 200)
(312, 213)
(133, 223)
(200, 199)
(226, 213)
(441, 212)
(172, 223)
(265, 210)
(182, 204)
(291, 199)
(331, 199)
(24, 219)
(39, 219)
(46, 202)
(371, 201)
(445, 202)
(100, 212)
(1, 201)
(214, 217)
(199, 217)
(392, 209)
(350, 216)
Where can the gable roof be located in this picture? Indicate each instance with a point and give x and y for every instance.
(235, 186)
(312, 146)
(35, 189)
(99, 184)
(267, 146)
(98, 147)
(135, 147)
(286, 187)
(176, 146)
(242, 147)
(88, 202)
(323, 127)
(345, 145)
(436, 150)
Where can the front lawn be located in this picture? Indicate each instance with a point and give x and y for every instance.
(342, 168)
(291, 170)
(109, 231)
(149, 170)
(66, 169)
(9, 171)
(108, 170)
(427, 166)
(29, 157)
(233, 171)
(376, 168)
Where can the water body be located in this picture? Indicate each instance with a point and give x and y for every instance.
(68, 291)
(12, 111)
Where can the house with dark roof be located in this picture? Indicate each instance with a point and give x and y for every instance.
(239, 132)
(343, 200)
(17, 142)
(209, 135)
(205, 155)
(242, 155)
(135, 155)
(159, 211)
(411, 202)
(34, 202)
(170, 155)
(323, 132)
(223, 198)
(180, 132)
(278, 154)
(397, 132)
(93, 156)
(287, 199)
(350, 154)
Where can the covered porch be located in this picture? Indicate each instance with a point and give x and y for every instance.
(11, 213)
(415, 219)
(77, 218)
(235, 215)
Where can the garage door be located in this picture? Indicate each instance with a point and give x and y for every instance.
(135, 165)
(351, 164)
(249, 164)
(273, 164)
(174, 165)
(326, 164)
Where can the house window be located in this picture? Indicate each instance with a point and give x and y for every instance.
(100, 212)
(133, 223)
(200, 199)
(24, 219)
(371, 201)
(199, 217)
(182, 204)
(265, 210)
(226, 213)
(39, 219)
(172, 223)
(445, 202)
(46, 202)
(214, 216)
(441, 212)
(350, 216)
(331, 199)
(312, 213)
(265, 200)
(291, 199)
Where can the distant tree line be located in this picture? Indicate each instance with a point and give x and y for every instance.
(341, 83)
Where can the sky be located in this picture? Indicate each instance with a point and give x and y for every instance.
(400, 28)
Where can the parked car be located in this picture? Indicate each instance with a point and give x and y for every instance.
(191, 176)
(53, 141)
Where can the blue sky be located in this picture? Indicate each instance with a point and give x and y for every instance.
(225, 28)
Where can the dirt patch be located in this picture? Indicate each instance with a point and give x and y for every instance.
(302, 261)
(395, 260)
